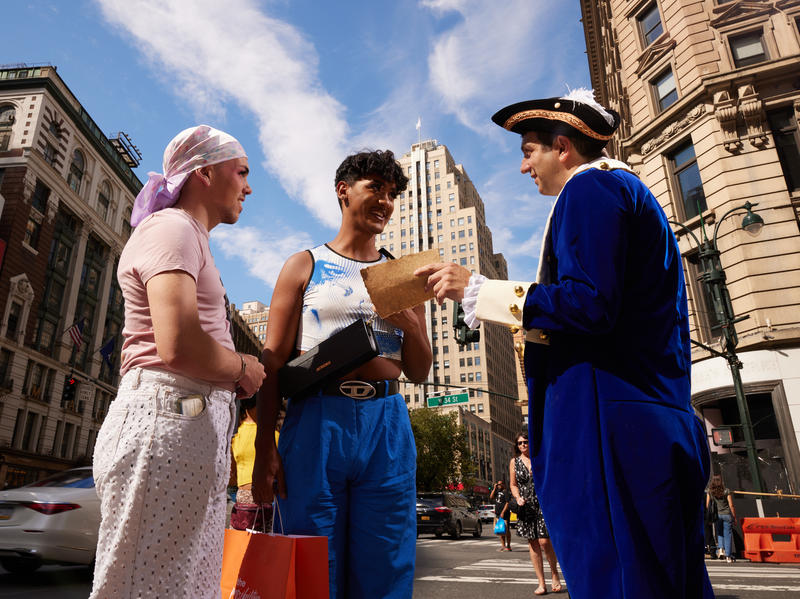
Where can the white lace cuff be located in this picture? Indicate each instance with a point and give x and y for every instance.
(470, 301)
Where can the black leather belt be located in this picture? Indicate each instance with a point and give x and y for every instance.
(362, 389)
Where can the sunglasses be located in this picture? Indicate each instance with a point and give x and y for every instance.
(522, 442)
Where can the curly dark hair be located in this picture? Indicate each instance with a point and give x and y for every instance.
(378, 162)
(522, 435)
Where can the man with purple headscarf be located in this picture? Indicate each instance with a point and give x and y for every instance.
(161, 461)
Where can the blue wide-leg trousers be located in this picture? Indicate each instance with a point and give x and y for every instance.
(350, 467)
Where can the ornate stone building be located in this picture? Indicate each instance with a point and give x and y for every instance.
(66, 194)
(709, 92)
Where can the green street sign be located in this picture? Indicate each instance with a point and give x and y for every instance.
(446, 400)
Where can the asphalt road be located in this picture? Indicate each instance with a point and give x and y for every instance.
(473, 569)
(448, 569)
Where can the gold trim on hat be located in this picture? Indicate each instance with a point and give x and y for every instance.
(554, 115)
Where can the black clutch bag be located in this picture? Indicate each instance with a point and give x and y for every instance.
(336, 356)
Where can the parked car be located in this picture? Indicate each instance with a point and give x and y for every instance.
(486, 513)
(449, 513)
(52, 521)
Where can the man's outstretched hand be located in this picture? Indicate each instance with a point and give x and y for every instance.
(447, 280)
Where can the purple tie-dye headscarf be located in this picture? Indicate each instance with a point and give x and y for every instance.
(188, 151)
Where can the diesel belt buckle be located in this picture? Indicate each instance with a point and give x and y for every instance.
(357, 389)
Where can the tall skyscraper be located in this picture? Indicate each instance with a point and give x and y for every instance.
(709, 94)
(441, 209)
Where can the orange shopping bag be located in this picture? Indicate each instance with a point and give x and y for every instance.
(259, 565)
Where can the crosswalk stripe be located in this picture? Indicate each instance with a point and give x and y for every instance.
(532, 581)
(754, 587)
(479, 579)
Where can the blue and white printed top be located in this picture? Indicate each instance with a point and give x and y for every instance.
(335, 298)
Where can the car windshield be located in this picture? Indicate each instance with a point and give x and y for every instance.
(436, 501)
(77, 479)
(487, 507)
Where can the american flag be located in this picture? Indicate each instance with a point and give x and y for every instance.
(76, 333)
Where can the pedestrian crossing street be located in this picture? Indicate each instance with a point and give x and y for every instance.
(515, 569)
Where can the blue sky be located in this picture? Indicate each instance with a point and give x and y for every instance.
(304, 83)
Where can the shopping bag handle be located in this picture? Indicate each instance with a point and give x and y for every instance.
(277, 509)
(260, 511)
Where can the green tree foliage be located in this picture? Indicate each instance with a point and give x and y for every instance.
(443, 456)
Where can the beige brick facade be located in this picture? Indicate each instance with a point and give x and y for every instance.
(709, 93)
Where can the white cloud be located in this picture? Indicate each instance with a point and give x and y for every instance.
(442, 6)
(263, 253)
(496, 52)
(212, 52)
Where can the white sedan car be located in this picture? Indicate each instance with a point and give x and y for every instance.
(486, 512)
(54, 520)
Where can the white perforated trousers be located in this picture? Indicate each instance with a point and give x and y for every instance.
(161, 478)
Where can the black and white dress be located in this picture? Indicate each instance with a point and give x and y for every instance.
(530, 521)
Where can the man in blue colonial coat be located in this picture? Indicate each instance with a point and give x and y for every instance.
(619, 458)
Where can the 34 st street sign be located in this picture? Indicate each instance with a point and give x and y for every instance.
(446, 400)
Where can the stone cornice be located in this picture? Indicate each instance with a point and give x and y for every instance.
(654, 52)
(773, 69)
(674, 128)
(731, 14)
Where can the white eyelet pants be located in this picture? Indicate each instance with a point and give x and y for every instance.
(161, 478)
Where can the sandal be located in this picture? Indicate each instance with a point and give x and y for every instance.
(540, 591)
(557, 588)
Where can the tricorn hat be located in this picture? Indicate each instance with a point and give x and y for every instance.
(578, 109)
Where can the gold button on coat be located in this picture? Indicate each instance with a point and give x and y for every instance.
(519, 291)
(514, 308)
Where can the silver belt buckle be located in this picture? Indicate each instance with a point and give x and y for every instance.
(357, 389)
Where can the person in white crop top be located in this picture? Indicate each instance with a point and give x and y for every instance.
(346, 467)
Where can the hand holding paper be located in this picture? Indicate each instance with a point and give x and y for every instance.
(393, 286)
(445, 279)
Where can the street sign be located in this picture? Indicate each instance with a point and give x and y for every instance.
(446, 400)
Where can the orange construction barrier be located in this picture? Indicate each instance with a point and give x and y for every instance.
(774, 540)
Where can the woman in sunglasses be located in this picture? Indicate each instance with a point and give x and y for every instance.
(530, 521)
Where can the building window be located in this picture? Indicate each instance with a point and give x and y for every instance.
(665, 91)
(40, 195)
(7, 118)
(748, 49)
(787, 142)
(103, 200)
(14, 313)
(76, 169)
(32, 231)
(687, 179)
(49, 154)
(480, 408)
(650, 24)
(126, 222)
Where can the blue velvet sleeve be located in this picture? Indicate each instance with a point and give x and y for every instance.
(590, 237)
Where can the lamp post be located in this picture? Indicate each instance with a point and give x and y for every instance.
(712, 275)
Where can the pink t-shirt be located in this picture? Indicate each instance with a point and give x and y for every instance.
(168, 240)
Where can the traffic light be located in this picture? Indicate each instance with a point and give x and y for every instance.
(68, 394)
(464, 334)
